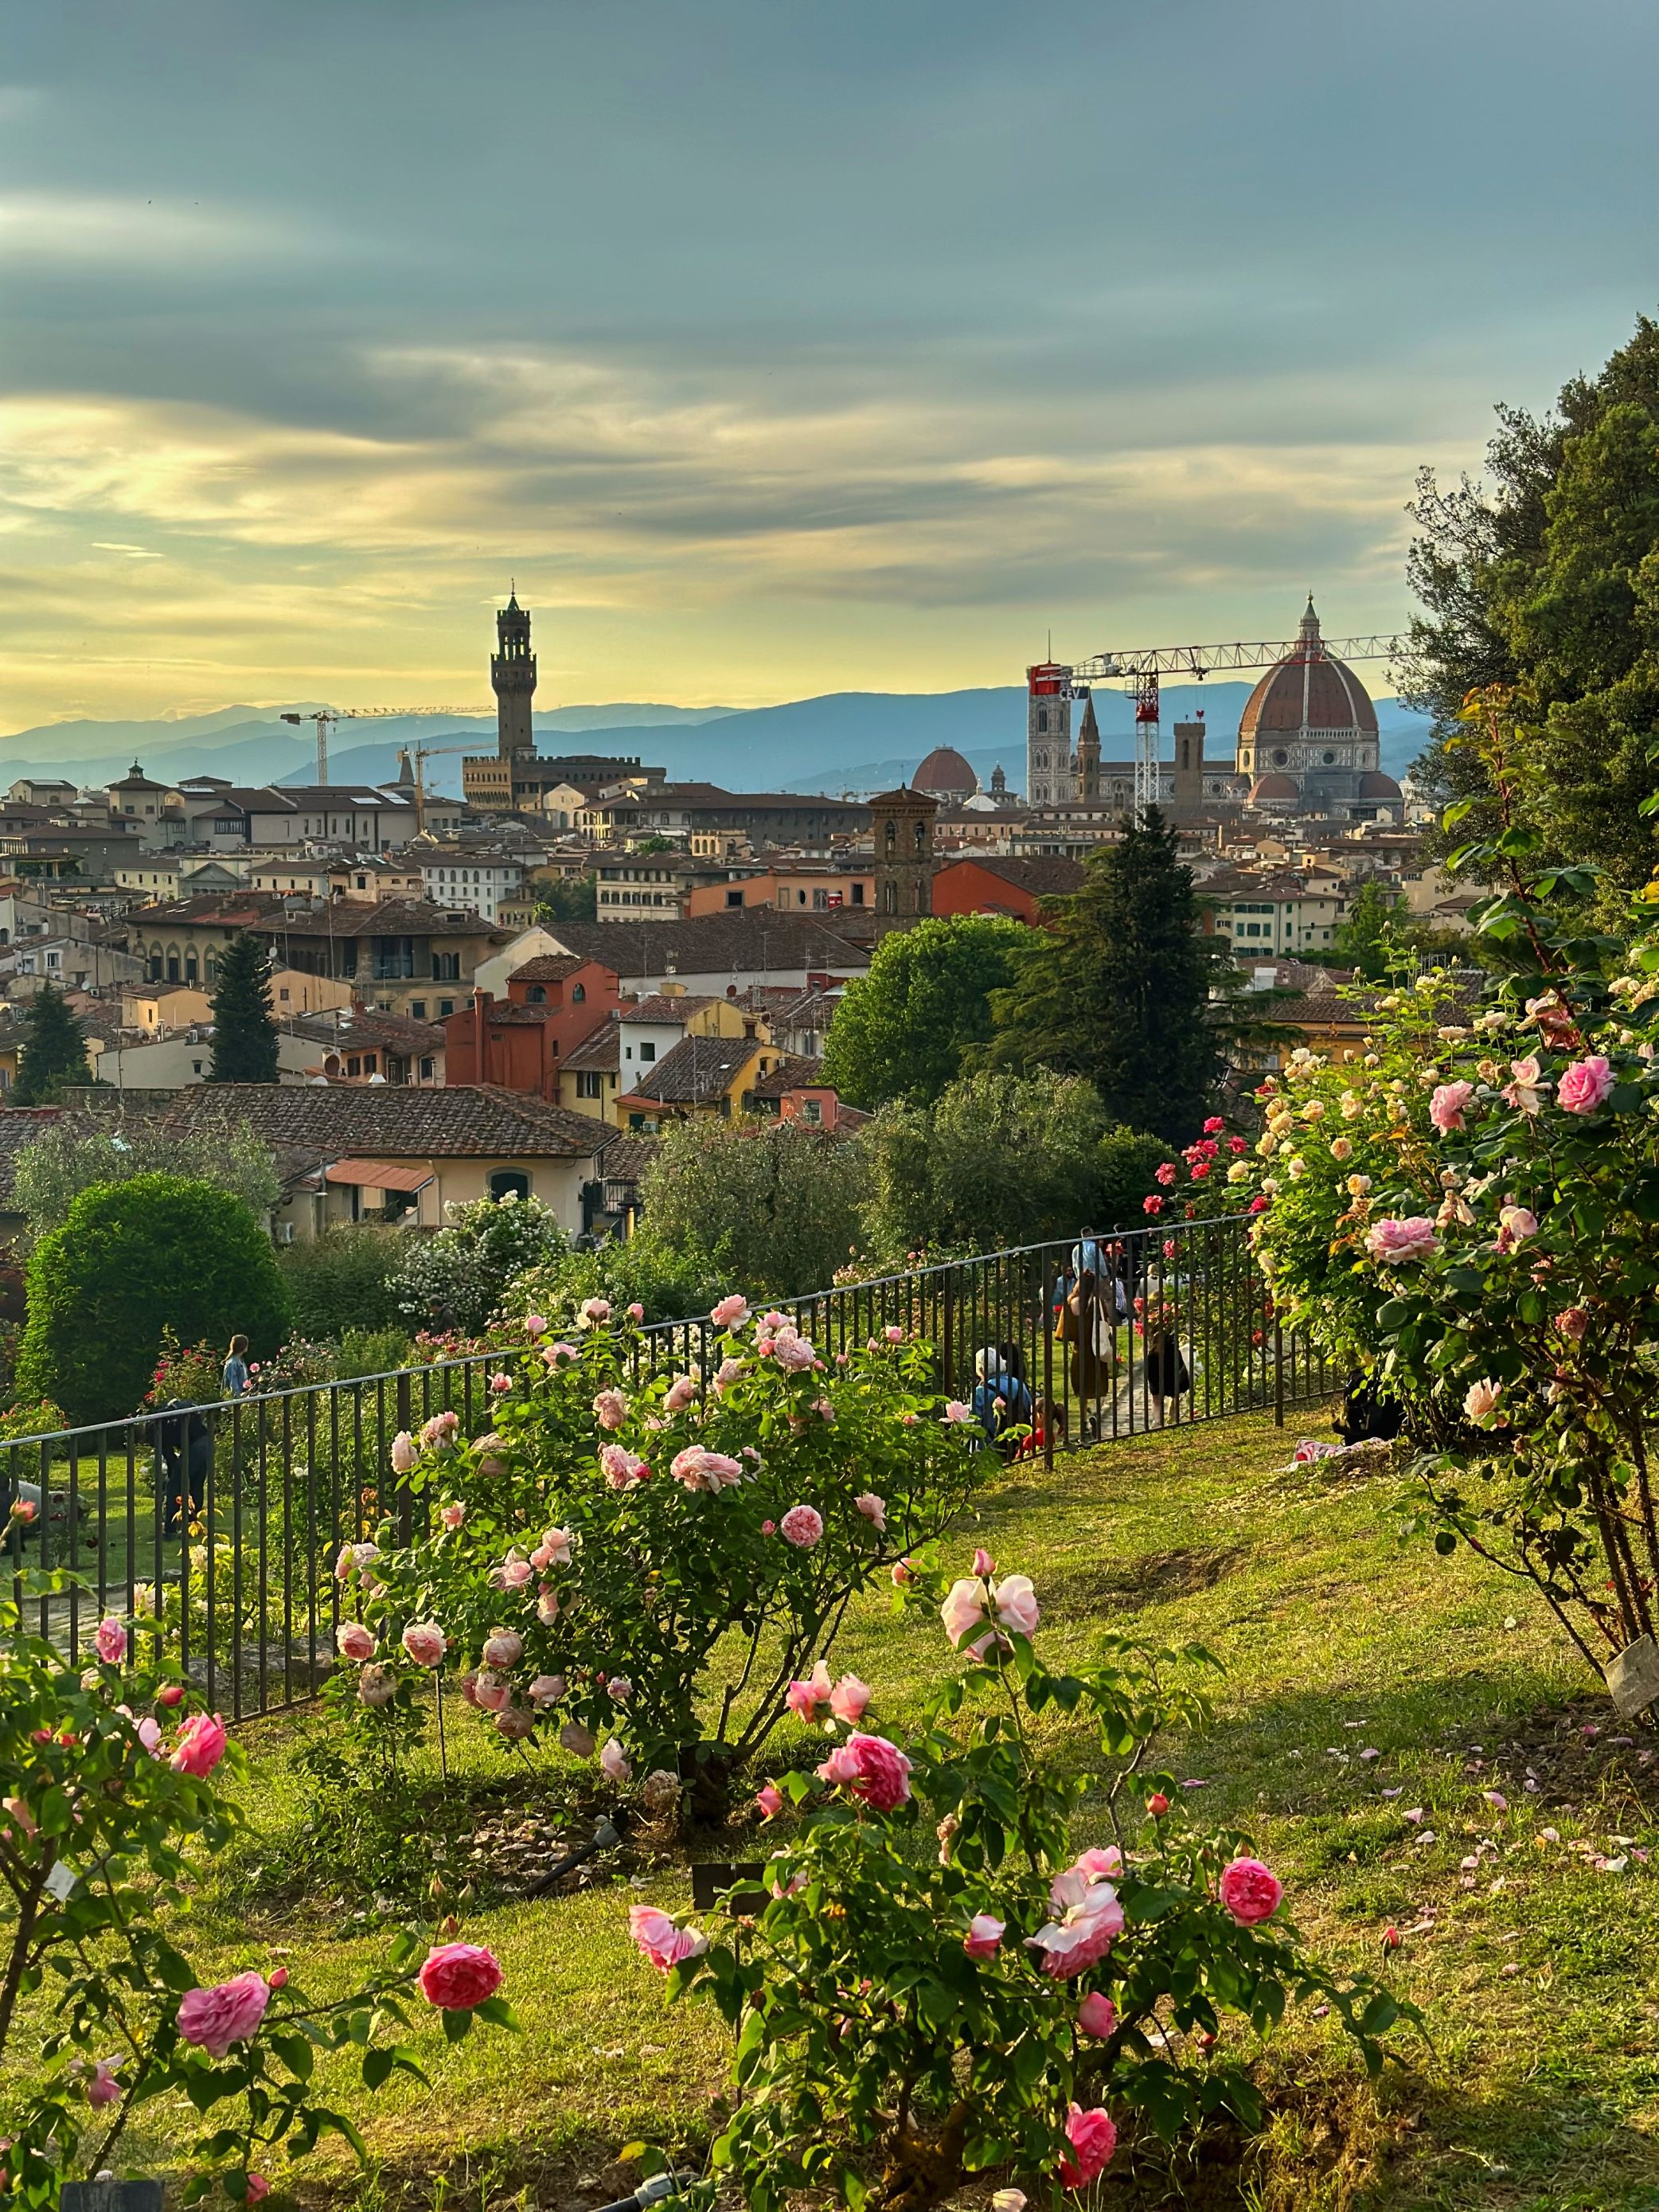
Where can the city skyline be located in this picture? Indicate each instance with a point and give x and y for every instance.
(769, 353)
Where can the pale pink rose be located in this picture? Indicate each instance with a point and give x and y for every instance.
(664, 1944)
(902, 1572)
(615, 1761)
(149, 1731)
(636, 1311)
(514, 1572)
(20, 1816)
(101, 2087)
(823, 1409)
(1572, 1321)
(110, 1642)
(1086, 1918)
(728, 1372)
(425, 1642)
(557, 1355)
(1395, 1242)
(1093, 2139)
(705, 1470)
(1250, 1891)
(621, 1468)
(355, 1642)
(556, 1542)
(731, 1312)
(491, 1694)
(849, 1699)
(441, 1428)
(964, 1609)
(1102, 1860)
(803, 1698)
(957, 1409)
(547, 1605)
(871, 1769)
(546, 1690)
(459, 1977)
(792, 1352)
(873, 1508)
(1481, 1398)
(468, 1686)
(503, 1647)
(593, 1313)
(775, 1321)
(577, 1740)
(229, 2012)
(535, 1325)
(619, 1689)
(1096, 2017)
(453, 1515)
(771, 1800)
(679, 1394)
(1447, 1105)
(500, 1384)
(199, 1746)
(377, 1686)
(1526, 1093)
(1518, 1222)
(403, 1452)
(515, 1722)
(609, 1409)
(1584, 1084)
(985, 1934)
(984, 1564)
(802, 1525)
(1016, 1603)
(352, 1559)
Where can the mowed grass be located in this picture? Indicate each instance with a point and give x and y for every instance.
(1357, 1665)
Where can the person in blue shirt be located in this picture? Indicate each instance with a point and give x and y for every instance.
(236, 1375)
(1001, 1401)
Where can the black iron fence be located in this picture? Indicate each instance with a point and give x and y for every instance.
(224, 1522)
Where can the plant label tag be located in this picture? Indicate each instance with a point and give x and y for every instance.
(61, 1881)
(1632, 1677)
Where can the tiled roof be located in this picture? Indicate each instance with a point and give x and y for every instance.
(1045, 875)
(661, 1006)
(393, 1032)
(737, 943)
(796, 1072)
(471, 1120)
(549, 968)
(698, 1069)
(628, 1158)
(600, 1050)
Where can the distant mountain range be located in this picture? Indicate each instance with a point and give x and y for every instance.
(843, 741)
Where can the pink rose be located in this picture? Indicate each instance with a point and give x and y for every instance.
(984, 1564)
(792, 1352)
(503, 1647)
(377, 1686)
(1395, 1242)
(705, 1470)
(577, 1740)
(257, 2190)
(1166, 1173)
(501, 1383)
(228, 2013)
(403, 1452)
(803, 1698)
(1526, 1093)
(425, 1642)
(546, 1690)
(453, 1515)
(957, 1409)
(1086, 1918)
(802, 1525)
(731, 1312)
(547, 1605)
(771, 1800)
(679, 1394)
(199, 1746)
(110, 1641)
(1096, 2017)
(441, 1428)
(593, 1312)
(768, 1528)
(1481, 1398)
(849, 1699)
(1584, 1084)
(557, 1355)
(459, 1977)
(514, 1572)
(102, 2088)
(490, 1693)
(1153, 1205)
(871, 1769)
(619, 1689)
(664, 1944)
(964, 1609)
(1572, 1321)
(621, 1468)
(1250, 1891)
(610, 1409)
(902, 1572)
(873, 1508)
(1517, 1223)
(514, 1722)
(1093, 2139)
(985, 1933)
(535, 1325)
(636, 1311)
(1446, 1107)
(355, 1642)
(1214, 1126)
(19, 1811)
(277, 1977)
(1016, 1603)
(1102, 1859)
(728, 1372)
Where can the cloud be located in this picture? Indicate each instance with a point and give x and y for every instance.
(73, 227)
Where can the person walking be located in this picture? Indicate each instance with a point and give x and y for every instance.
(236, 1374)
(185, 1451)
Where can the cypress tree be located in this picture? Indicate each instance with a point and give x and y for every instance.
(52, 1052)
(1117, 987)
(244, 1027)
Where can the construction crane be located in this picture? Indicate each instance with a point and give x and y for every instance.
(1143, 666)
(419, 755)
(325, 718)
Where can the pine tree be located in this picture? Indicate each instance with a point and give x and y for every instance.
(244, 1028)
(1117, 989)
(52, 1052)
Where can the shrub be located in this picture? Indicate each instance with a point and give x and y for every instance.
(613, 1532)
(371, 1352)
(110, 1793)
(132, 1260)
(639, 1270)
(343, 1279)
(772, 1206)
(942, 1983)
(53, 1170)
(454, 1280)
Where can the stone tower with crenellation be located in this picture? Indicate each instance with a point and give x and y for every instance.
(513, 675)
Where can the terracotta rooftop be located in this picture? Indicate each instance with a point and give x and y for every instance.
(697, 1071)
(600, 1050)
(795, 1071)
(666, 1006)
(549, 968)
(469, 1121)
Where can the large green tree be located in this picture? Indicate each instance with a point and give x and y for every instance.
(62, 1162)
(1116, 988)
(52, 1053)
(773, 1205)
(1545, 577)
(244, 1026)
(132, 1260)
(901, 1031)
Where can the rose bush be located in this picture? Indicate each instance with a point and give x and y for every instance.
(109, 1786)
(616, 1529)
(944, 1984)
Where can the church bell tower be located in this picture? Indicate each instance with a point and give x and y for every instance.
(513, 675)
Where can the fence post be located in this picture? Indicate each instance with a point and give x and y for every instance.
(406, 1422)
(1048, 1326)
(1279, 1372)
(948, 1345)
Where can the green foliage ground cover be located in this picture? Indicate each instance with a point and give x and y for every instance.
(1540, 2092)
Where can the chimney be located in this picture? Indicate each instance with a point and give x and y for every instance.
(483, 1001)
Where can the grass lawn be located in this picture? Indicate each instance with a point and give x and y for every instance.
(1368, 1681)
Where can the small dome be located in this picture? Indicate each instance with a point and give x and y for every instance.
(1375, 785)
(945, 774)
(1273, 791)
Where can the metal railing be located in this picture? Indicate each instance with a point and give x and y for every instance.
(224, 1520)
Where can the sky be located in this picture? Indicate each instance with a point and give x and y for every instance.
(769, 347)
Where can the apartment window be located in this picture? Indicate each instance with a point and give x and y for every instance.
(428, 1068)
(734, 898)
(535, 996)
(589, 1086)
(647, 1052)
(579, 995)
(416, 1008)
(509, 1182)
(445, 1006)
